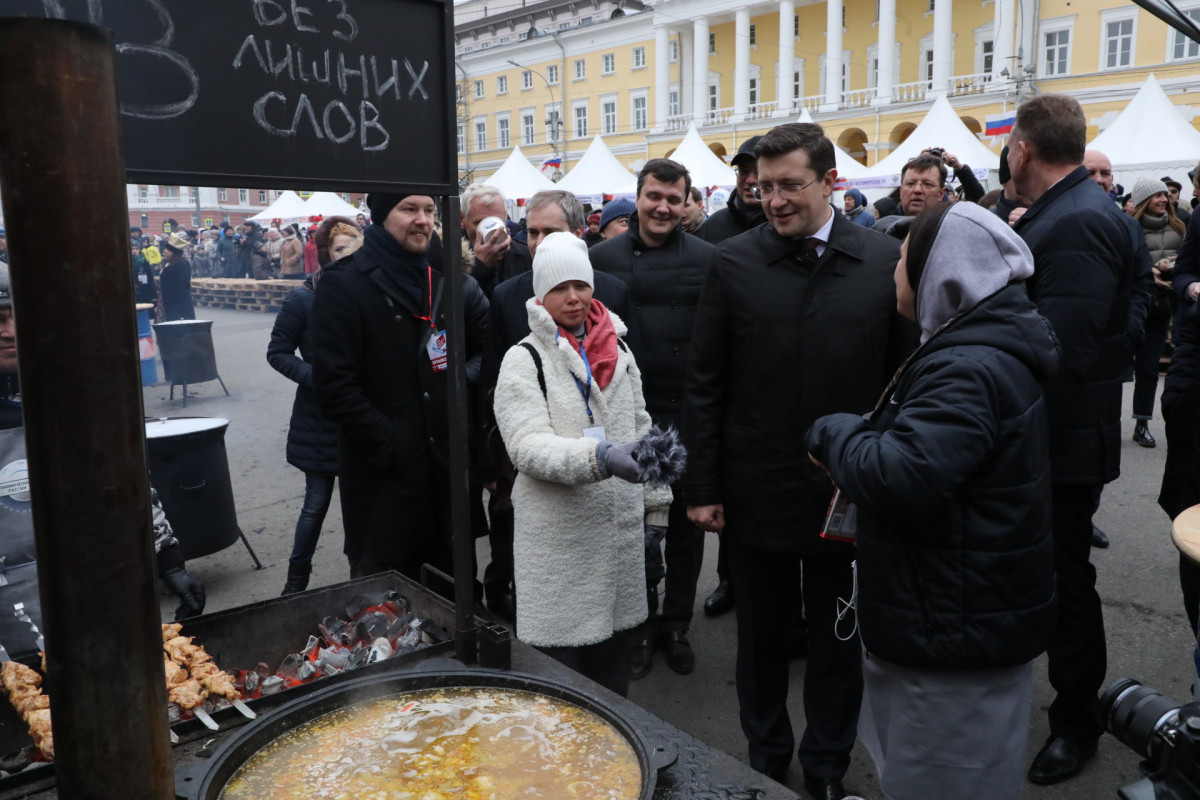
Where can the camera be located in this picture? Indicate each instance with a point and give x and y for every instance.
(1166, 733)
(936, 152)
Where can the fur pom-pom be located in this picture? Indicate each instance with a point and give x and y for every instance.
(660, 456)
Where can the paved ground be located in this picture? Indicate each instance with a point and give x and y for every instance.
(1147, 629)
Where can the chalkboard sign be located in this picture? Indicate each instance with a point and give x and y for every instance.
(282, 93)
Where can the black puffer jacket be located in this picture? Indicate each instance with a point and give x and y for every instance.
(1180, 399)
(951, 476)
(735, 218)
(312, 437)
(664, 283)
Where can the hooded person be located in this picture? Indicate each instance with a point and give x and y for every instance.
(950, 476)
(857, 209)
(570, 410)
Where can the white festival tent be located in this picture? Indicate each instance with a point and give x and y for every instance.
(328, 204)
(707, 169)
(288, 207)
(517, 179)
(942, 128)
(1149, 139)
(596, 174)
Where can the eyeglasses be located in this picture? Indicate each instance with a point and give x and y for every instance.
(928, 186)
(787, 191)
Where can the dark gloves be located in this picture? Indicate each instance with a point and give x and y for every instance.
(658, 458)
(655, 569)
(189, 591)
(616, 460)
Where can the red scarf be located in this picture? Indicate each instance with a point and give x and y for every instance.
(599, 342)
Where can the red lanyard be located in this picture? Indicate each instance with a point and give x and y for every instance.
(429, 318)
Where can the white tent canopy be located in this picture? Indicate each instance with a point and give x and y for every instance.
(517, 179)
(706, 167)
(288, 207)
(847, 167)
(940, 128)
(1149, 138)
(328, 204)
(598, 173)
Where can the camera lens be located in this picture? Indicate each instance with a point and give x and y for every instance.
(1135, 714)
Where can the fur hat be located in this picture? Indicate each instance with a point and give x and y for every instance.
(616, 209)
(176, 243)
(562, 256)
(1144, 189)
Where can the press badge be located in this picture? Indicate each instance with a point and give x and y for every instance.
(841, 523)
(596, 433)
(436, 347)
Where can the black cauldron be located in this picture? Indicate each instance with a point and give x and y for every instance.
(206, 780)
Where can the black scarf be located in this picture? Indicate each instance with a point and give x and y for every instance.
(408, 270)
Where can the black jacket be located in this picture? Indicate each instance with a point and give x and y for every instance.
(951, 476)
(1187, 261)
(1180, 401)
(312, 437)
(1086, 262)
(664, 283)
(515, 261)
(175, 282)
(372, 376)
(776, 346)
(735, 218)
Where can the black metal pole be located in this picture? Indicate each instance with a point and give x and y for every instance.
(61, 163)
(460, 490)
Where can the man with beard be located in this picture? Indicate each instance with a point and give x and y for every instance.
(380, 372)
(664, 269)
(744, 210)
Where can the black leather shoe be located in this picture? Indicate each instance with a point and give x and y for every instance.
(824, 788)
(720, 601)
(680, 657)
(1099, 538)
(643, 659)
(1060, 759)
(1141, 434)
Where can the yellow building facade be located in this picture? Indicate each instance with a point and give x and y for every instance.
(639, 76)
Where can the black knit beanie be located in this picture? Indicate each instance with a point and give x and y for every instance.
(381, 204)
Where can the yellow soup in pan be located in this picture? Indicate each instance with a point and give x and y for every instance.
(446, 744)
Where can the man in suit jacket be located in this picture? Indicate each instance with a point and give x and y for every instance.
(1085, 267)
(797, 320)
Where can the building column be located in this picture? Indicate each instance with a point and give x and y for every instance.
(1002, 40)
(943, 46)
(741, 63)
(787, 58)
(833, 55)
(885, 81)
(699, 70)
(662, 76)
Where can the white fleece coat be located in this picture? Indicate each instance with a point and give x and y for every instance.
(578, 548)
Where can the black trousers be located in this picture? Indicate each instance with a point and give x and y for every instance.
(607, 663)
(765, 584)
(1078, 652)
(1145, 365)
(683, 556)
(498, 574)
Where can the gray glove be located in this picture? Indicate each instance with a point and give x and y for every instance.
(616, 460)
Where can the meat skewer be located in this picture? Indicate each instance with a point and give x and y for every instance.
(24, 688)
(200, 664)
(219, 684)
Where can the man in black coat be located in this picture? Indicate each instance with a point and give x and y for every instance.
(1085, 264)
(744, 210)
(500, 256)
(797, 320)
(548, 212)
(379, 372)
(664, 268)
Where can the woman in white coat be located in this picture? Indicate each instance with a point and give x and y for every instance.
(570, 409)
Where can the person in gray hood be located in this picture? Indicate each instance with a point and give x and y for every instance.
(950, 475)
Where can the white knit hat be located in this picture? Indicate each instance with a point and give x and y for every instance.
(562, 256)
(1144, 189)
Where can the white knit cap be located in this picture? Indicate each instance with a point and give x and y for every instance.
(1144, 189)
(562, 256)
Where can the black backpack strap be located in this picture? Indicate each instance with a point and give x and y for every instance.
(537, 362)
(621, 344)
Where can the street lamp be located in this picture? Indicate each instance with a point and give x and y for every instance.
(554, 120)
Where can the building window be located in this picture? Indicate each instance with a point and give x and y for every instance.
(1057, 54)
(753, 92)
(581, 122)
(458, 92)
(502, 132)
(639, 57)
(195, 221)
(714, 97)
(478, 89)
(608, 114)
(461, 142)
(930, 8)
(673, 49)
(526, 80)
(502, 84)
(928, 68)
(797, 87)
(562, 26)
(987, 48)
(1118, 43)
(609, 64)
(580, 69)
(244, 196)
(796, 26)
(145, 221)
(1183, 46)
(262, 197)
(585, 21)
(144, 192)
(877, 10)
(527, 129)
(480, 136)
(485, 45)
(639, 113)
(346, 196)
(223, 195)
(552, 74)
(754, 34)
(843, 15)
(673, 104)
(168, 191)
(712, 44)
(503, 40)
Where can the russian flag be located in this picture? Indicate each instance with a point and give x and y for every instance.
(999, 124)
(552, 162)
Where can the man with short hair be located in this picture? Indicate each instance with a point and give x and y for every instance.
(694, 215)
(764, 367)
(664, 269)
(549, 211)
(1174, 188)
(1085, 264)
(744, 210)
(923, 183)
(380, 372)
(498, 257)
